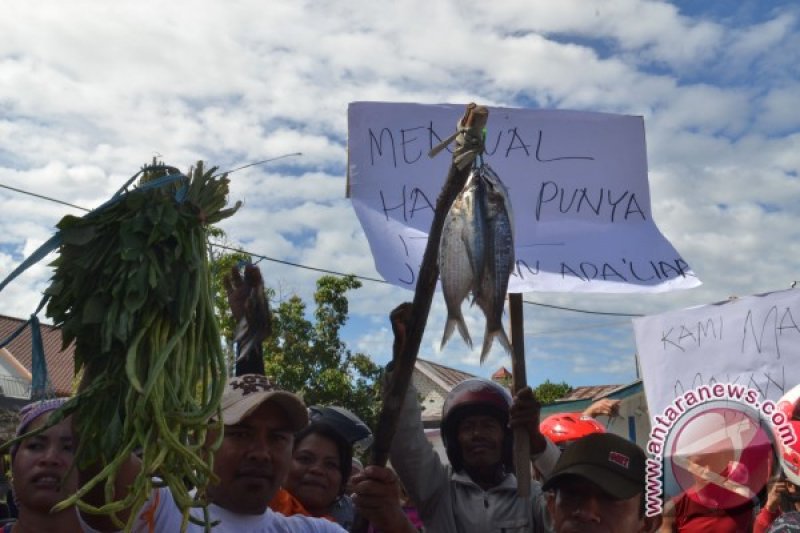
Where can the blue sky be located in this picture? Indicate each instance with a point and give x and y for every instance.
(91, 90)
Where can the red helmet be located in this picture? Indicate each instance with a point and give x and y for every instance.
(474, 396)
(789, 405)
(563, 428)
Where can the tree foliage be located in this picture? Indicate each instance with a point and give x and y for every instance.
(309, 357)
(548, 392)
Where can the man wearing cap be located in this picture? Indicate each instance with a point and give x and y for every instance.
(252, 462)
(598, 484)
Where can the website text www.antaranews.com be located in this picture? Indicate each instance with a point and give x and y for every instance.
(689, 400)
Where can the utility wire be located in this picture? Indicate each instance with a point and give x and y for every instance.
(43, 197)
(578, 328)
(376, 280)
(586, 311)
(62, 202)
(298, 265)
(315, 269)
(296, 154)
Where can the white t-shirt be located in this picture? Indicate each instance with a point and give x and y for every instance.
(161, 515)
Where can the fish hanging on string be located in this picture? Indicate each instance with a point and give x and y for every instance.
(476, 255)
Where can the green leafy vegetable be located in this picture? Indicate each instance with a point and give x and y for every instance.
(132, 289)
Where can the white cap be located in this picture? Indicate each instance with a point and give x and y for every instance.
(244, 394)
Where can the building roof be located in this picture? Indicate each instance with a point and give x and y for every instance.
(60, 364)
(613, 392)
(502, 373)
(589, 392)
(444, 376)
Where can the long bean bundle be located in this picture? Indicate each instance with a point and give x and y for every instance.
(132, 288)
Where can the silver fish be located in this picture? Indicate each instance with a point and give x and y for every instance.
(476, 254)
(490, 289)
(460, 253)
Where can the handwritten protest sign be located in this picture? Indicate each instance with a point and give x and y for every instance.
(753, 341)
(577, 182)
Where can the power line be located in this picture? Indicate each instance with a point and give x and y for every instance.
(296, 154)
(586, 311)
(43, 197)
(578, 329)
(376, 280)
(316, 269)
(62, 202)
(298, 265)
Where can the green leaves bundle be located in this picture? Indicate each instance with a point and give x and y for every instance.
(132, 289)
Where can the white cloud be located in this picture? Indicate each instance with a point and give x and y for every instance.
(640, 31)
(756, 40)
(90, 91)
(780, 110)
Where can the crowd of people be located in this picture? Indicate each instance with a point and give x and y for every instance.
(278, 471)
(281, 470)
(284, 467)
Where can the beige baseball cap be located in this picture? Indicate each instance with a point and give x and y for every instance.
(243, 394)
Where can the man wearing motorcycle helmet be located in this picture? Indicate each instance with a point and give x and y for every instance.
(783, 498)
(475, 430)
(477, 491)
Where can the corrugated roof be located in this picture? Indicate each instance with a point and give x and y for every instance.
(589, 392)
(577, 405)
(444, 376)
(60, 365)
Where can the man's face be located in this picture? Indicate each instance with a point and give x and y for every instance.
(579, 506)
(480, 438)
(253, 461)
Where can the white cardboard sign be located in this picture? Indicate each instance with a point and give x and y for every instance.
(577, 182)
(752, 341)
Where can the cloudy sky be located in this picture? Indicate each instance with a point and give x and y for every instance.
(91, 90)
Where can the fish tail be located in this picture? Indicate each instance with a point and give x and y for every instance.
(454, 322)
(489, 337)
(462, 329)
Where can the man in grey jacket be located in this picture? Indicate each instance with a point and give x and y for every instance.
(477, 491)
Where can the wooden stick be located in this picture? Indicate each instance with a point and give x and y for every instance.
(522, 440)
(397, 385)
(475, 118)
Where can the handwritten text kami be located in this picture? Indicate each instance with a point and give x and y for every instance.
(694, 335)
